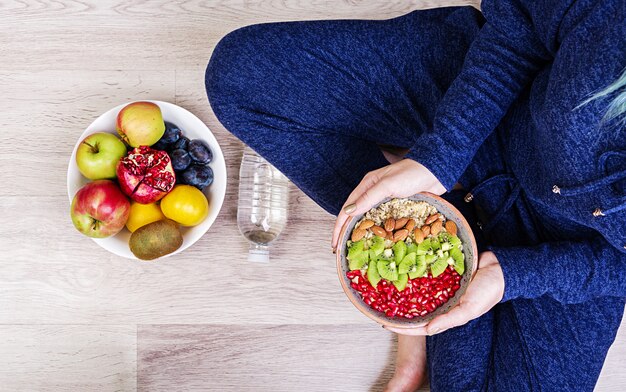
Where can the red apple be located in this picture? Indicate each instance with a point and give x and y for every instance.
(140, 124)
(100, 209)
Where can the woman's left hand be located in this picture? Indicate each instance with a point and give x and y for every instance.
(483, 293)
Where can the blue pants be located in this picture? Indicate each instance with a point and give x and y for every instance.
(318, 99)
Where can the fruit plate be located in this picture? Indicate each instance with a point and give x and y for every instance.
(193, 128)
(470, 251)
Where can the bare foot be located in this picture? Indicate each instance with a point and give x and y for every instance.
(410, 370)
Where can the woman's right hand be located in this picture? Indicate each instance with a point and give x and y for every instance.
(401, 179)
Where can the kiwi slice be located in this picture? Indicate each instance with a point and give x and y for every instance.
(407, 263)
(411, 248)
(378, 246)
(399, 251)
(419, 268)
(357, 255)
(430, 259)
(372, 274)
(387, 269)
(446, 246)
(401, 282)
(455, 241)
(438, 267)
(459, 260)
(425, 247)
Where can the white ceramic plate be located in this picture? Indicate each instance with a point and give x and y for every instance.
(192, 128)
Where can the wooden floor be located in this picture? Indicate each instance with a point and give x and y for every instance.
(75, 318)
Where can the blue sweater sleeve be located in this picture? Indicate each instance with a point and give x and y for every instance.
(503, 59)
(570, 272)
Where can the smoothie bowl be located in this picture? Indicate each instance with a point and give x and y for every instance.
(405, 261)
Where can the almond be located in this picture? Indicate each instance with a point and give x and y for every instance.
(400, 235)
(431, 219)
(379, 231)
(419, 236)
(451, 227)
(389, 235)
(410, 225)
(426, 230)
(357, 234)
(400, 223)
(390, 224)
(435, 228)
(366, 224)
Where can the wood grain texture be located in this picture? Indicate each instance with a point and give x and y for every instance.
(264, 358)
(67, 358)
(69, 309)
(613, 377)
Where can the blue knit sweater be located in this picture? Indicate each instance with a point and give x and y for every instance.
(547, 56)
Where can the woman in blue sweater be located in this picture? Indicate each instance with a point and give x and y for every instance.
(516, 115)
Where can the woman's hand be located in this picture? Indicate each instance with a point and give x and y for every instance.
(483, 293)
(401, 179)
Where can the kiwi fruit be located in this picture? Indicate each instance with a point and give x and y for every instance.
(424, 247)
(155, 240)
(378, 246)
(407, 263)
(428, 247)
(357, 255)
(399, 251)
(401, 282)
(455, 241)
(411, 248)
(387, 269)
(430, 258)
(372, 274)
(419, 269)
(438, 267)
(459, 260)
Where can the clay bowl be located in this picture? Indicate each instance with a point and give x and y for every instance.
(470, 250)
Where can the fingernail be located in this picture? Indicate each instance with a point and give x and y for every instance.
(349, 208)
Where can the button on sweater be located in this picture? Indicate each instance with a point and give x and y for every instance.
(523, 82)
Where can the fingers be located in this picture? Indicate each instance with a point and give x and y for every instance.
(341, 220)
(458, 315)
(368, 181)
(417, 331)
(371, 196)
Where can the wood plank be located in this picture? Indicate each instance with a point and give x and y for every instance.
(55, 275)
(613, 377)
(67, 358)
(64, 63)
(81, 35)
(264, 358)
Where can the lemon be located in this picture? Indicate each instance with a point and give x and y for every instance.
(142, 214)
(186, 205)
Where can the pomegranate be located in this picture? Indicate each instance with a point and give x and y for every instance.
(146, 175)
(420, 297)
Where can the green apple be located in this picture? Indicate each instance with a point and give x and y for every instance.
(140, 124)
(97, 156)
